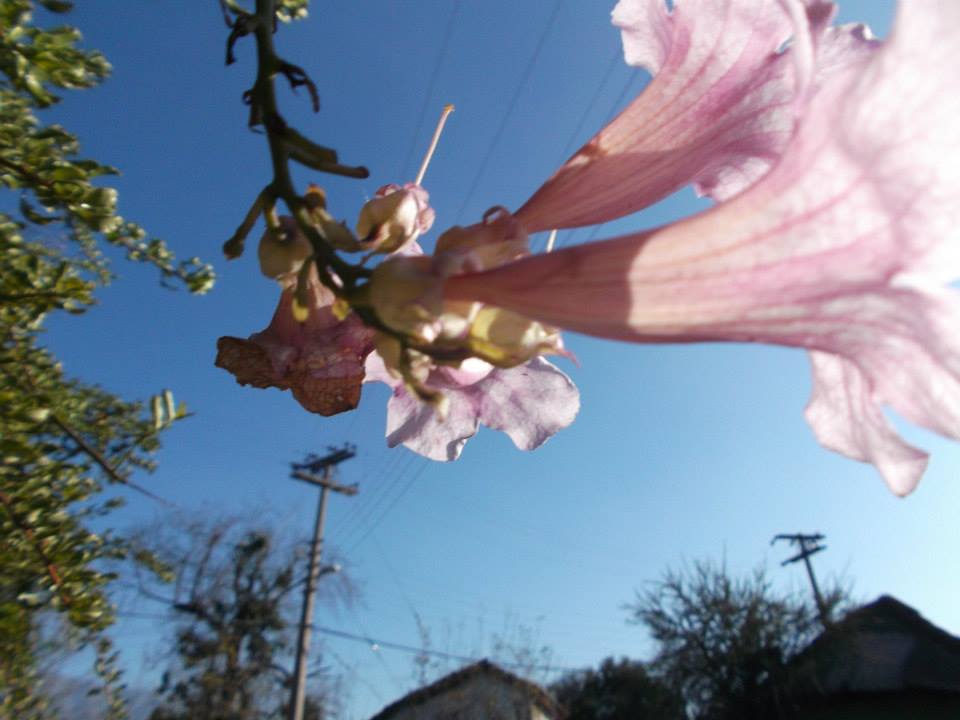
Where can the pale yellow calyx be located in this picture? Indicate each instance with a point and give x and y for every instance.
(506, 339)
(283, 250)
(413, 368)
(497, 240)
(407, 296)
(477, 248)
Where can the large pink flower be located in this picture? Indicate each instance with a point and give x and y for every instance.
(844, 247)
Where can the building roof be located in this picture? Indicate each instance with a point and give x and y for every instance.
(534, 692)
(884, 646)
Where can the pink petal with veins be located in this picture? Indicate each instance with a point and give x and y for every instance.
(320, 360)
(842, 248)
(717, 114)
(530, 402)
(845, 419)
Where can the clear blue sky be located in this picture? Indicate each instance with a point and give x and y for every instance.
(679, 453)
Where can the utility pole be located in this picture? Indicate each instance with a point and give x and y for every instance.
(809, 545)
(308, 471)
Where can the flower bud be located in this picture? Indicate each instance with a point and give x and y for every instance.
(282, 251)
(394, 217)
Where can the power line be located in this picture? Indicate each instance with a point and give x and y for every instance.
(393, 484)
(510, 107)
(396, 499)
(613, 110)
(611, 66)
(386, 468)
(431, 85)
(375, 649)
(353, 672)
(399, 484)
(391, 474)
(375, 643)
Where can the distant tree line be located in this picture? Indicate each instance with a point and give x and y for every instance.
(723, 651)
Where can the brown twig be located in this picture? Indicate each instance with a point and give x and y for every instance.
(101, 461)
(29, 533)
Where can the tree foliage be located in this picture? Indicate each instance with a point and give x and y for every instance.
(724, 642)
(233, 602)
(617, 690)
(61, 440)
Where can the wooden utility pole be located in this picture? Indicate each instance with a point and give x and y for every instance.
(307, 471)
(809, 545)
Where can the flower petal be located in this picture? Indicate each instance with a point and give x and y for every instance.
(248, 362)
(716, 113)
(415, 425)
(530, 402)
(321, 360)
(846, 418)
(839, 248)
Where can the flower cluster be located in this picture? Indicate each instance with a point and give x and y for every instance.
(833, 158)
(477, 365)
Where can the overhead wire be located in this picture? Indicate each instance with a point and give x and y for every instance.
(578, 128)
(498, 135)
(380, 478)
(397, 498)
(610, 115)
(374, 647)
(389, 644)
(374, 499)
(431, 86)
(601, 86)
(359, 676)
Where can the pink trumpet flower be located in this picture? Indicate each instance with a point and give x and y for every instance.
(320, 360)
(844, 247)
(305, 349)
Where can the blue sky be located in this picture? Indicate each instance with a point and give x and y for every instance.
(679, 453)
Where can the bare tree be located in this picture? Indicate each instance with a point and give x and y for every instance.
(232, 595)
(516, 647)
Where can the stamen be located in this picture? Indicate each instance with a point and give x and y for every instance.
(551, 240)
(447, 109)
(301, 298)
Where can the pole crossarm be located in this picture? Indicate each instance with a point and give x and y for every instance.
(809, 544)
(314, 463)
(324, 482)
